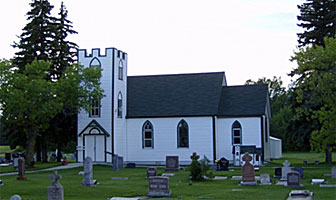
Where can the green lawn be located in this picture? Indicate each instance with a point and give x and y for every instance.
(35, 187)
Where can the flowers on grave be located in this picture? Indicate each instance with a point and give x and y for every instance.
(198, 170)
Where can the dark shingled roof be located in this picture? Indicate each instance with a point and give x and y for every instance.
(246, 100)
(174, 95)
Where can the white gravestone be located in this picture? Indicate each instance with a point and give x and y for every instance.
(285, 170)
(55, 189)
(88, 171)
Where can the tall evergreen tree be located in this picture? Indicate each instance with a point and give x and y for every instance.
(318, 18)
(36, 39)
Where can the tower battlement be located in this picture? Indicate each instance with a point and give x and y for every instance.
(95, 52)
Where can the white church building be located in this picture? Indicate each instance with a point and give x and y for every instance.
(145, 118)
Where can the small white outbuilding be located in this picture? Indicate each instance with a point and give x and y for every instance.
(275, 147)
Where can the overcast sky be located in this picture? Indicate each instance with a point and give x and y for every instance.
(248, 39)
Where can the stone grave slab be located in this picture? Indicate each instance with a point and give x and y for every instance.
(300, 195)
(293, 179)
(130, 165)
(158, 186)
(220, 178)
(285, 170)
(317, 181)
(265, 179)
(248, 171)
(55, 189)
(172, 163)
(119, 178)
(151, 171)
(167, 174)
(88, 172)
(328, 185)
(21, 169)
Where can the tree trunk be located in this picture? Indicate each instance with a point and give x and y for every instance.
(59, 152)
(30, 147)
(44, 151)
(38, 149)
(328, 156)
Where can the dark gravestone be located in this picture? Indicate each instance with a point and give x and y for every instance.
(300, 170)
(55, 189)
(151, 171)
(223, 165)
(88, 172)
(21, 169)
(8, 157)
(115, 163)
(248, 171)
(158, 186)
(277, 172)
(130, 165)
(53, 157)
(293, 179)
(172, 163)
(120, 162)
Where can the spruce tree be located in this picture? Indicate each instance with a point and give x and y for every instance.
(63, 52)
(35, 41)
(318, 18)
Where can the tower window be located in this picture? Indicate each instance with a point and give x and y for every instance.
(120, 70)
(119, 105)
(95, 108)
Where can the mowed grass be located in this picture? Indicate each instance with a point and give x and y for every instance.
(35, 187)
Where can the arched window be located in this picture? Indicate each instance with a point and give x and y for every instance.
(95, 103)
(182, 134)
(147, 135)
(95, 62)
(120, 70)
(236, 133)
(119, 105)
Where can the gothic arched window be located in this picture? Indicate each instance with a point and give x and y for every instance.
(119, 105)
(120, 70)
(147, 135)
(236, 133)
(182, 134)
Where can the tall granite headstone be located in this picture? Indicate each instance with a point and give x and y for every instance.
(285, 170)
(158, 186)
(115, 162)
(248, 171)
(55, 189)
(88, 172)
(333, 172)
(21, 169)
(172, 163)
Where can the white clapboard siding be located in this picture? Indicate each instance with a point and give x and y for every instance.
(251, 134)
(165, 140)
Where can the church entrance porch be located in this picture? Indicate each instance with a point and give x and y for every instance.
(95, 147)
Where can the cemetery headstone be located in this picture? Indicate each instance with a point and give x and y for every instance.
(158, 186)
(15, 197)
(265, 179)
(172, 163)
(8, 157)
(55, 189)
(293, 179)
(223, 164)
(15, 160)
(277, 172)
(88, 171)
(21, 169)
(285, 170)
(1, 184)
(130, 165)
(151, 171)
(300, 170)
(115, 162)
(1, 160)
(248, 171)
(300, 194)
(53, 157)
(333, 172)
(120, 162)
